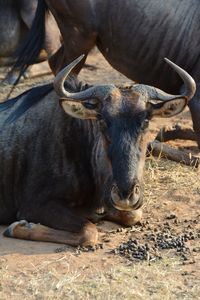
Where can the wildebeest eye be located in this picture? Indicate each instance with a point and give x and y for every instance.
(91, 104)
(145, 124)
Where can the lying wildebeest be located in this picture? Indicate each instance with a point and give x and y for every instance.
(66, 165)
(16, 17)
(133, 36)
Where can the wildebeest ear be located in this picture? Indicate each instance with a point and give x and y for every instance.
(77, 109)
(168, 108)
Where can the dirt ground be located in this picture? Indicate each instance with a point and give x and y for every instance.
(159, 259)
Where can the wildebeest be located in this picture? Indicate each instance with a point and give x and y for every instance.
(133, 36)
(16, 17)
(66, 165)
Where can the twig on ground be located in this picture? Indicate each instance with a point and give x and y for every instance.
(157, 148)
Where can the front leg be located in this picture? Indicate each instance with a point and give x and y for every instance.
(124, 218)
(194, 106)
(22, 229)
(60, 225)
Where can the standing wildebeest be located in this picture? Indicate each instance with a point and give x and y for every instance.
(134, 36)
(64, 171)
(16, 17)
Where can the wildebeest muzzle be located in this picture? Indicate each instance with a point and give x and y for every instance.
(127, 201)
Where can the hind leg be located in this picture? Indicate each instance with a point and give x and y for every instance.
(194, 106)
(12, 77)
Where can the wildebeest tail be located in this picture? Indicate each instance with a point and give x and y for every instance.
(29, 51)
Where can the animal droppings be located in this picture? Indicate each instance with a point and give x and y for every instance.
(155, 242)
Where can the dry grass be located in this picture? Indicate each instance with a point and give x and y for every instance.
(135, 281)
(163, 177)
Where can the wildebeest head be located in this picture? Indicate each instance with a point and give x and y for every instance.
(123, 115)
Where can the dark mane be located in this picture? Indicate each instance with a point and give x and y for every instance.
(36, 94)
(32, 97)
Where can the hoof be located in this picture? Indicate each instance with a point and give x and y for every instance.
(90, 235)
(124, 218)
(9, 232)
(12, 77)
(132, 218)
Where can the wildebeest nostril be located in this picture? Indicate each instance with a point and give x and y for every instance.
(132, 195)
(136, 190)
(124, 200)
(136, 194)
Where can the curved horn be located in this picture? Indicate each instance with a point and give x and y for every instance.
(189, 83)
(93, 92)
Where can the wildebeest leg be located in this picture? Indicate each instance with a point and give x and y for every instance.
(179, 133)
(37, 232)
(58, 61)
(60, 225)
(13, 75)
(125, 218)
(52, 33)
(78, 33)
(194, 106)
